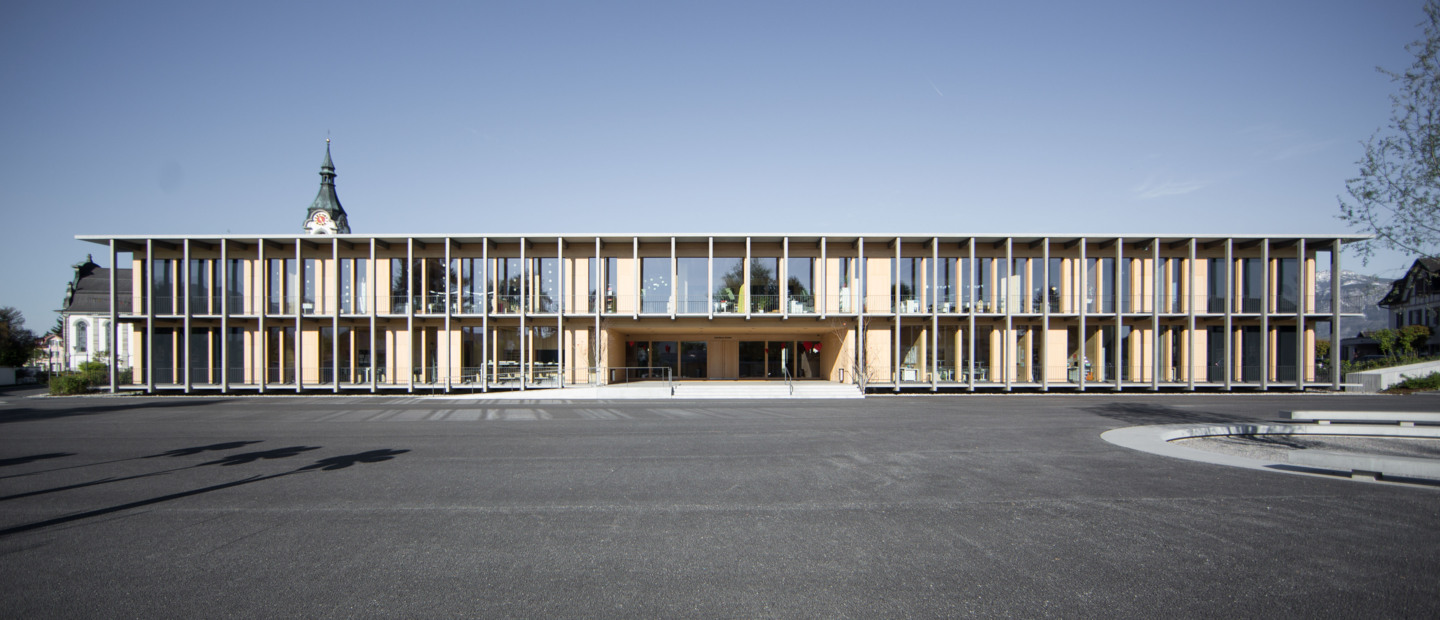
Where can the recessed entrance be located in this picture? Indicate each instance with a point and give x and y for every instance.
(724, 359)
(771, 359)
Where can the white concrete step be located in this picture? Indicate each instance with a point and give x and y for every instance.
(764, 389)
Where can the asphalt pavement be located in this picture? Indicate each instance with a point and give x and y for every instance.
(990, 506)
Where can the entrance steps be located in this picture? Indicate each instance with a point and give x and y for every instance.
(657, 390)
(764, 389)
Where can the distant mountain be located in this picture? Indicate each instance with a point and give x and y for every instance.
(1359, 293)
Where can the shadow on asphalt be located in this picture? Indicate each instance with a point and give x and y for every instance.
(327, 464)
(21, 460)
(29, 414)
(1141, 414)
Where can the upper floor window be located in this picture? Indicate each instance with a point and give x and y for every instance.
(82, 336)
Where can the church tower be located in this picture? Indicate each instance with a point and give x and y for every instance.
(326, 216)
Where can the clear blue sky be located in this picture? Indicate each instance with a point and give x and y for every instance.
(551, 117)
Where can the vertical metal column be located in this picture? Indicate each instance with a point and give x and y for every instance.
(114, 328)
(1335, 315)
(334, 308)
(1118, 306)
(264, 308)
(745, 285)
(224, 316)
(895, 314)
(1083, 302)
(1300, 309)
(859, 313)
(449, 341)
(1045, 315)
(149, 315)
(599, 306)
(639, 282)
(183, 275)
(409, 272)
(674, 300)
(1190, 302)
(970, 293)
(373, 271)
(1006, 347)
(1231, 282)
(488, 301)
(934, 314)
(1159, 299)
(782, 272)
(1265, 301)
(524, 310)
(299, 311)
(710, 279)
(560, 310)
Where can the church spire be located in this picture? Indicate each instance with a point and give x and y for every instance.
(325, 215)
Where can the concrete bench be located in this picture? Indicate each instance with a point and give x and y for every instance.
(1403, 418)
(1368, 466)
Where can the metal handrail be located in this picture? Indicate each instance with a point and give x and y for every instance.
(785, 370)
(669, 374)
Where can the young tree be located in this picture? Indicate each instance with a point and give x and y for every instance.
(16, 342)
(1397, 195)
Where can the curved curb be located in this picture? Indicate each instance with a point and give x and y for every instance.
(1156, 439)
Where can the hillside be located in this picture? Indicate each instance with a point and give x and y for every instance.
(1359, 293)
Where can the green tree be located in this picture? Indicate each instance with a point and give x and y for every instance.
(1412, 337)
(1397, 195)
(17, 344)
(1386, 339)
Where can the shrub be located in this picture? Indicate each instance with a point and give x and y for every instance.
(1385, 363)
(1428, 382)
(66, 385)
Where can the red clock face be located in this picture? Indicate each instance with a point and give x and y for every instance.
(322, 218)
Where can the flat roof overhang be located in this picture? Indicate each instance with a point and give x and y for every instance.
(133, 242)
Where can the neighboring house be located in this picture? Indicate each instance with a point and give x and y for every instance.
(86, 316)
(1360, 346)
(50, 355)
(1414, 299)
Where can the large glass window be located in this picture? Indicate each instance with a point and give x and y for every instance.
(472, 354)
(310, 303)
(909, 278)
(1217, 285)
(354, 285)
(655, 285)
(983, 292)
(800, 278)
(611, 271)
(1252, 283)
(472, 285)
(163, 285)
(942, 290)
(693, 284)
(1287, 274)
(848, 292)
(238, 294)
(507, 285)
(204, 283)
(399, 286)
(544, 356)
(764, 284)
(913, 345)
(729, 274)
(1021, 287)
(545, 283)
(284, 286)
